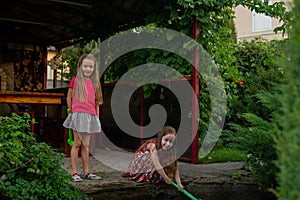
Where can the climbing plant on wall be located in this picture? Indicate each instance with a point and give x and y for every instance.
(217, 36)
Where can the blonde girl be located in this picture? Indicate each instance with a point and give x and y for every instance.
(83, 100)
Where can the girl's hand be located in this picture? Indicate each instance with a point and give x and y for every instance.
(168, 180)
(181, 186)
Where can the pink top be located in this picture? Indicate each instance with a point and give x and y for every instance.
(90, 105)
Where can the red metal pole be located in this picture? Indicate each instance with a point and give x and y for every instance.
(141, 113)
(195, 86)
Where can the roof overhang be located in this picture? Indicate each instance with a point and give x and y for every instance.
(61, 23)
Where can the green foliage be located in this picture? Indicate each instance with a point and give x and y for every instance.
(236, 176)
(28, 169)
(251, 127)
(257, 139)
(288, 141)
(218, 37)
(143, 56)
(260, 71)
(255, 103)
(223, 154)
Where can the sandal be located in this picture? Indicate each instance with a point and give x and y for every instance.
(76, 177)
(90, 176)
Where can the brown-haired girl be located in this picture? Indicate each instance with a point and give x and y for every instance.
(84, 98)
(155, 160)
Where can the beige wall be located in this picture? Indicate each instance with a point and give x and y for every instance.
(245, 22)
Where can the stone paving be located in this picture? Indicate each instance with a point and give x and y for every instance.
(200, 179)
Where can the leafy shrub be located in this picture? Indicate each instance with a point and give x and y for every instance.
(28, 169)
(260, 69)
(257, 139)
(250, 124)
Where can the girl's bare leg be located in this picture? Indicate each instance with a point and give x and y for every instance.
(74, 152)
(85, 153)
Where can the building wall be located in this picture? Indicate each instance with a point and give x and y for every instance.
(246, 22)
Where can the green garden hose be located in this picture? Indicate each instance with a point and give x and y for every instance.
(186, 192)
(70, 139)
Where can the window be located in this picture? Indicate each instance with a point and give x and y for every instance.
(261, 22)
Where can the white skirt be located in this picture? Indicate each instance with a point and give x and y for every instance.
(83, 123)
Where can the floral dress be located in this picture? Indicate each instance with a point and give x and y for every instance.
(141, 167)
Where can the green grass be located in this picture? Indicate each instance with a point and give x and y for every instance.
(218, 155)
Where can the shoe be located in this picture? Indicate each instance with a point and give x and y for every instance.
(90, 176)
(76, 178)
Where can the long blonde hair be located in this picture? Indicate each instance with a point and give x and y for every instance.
(167, 157)
(80, 91)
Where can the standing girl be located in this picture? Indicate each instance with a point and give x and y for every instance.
(84, 98)
(155, 160)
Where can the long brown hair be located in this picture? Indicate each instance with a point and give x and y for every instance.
(80, 90)
(167, 157)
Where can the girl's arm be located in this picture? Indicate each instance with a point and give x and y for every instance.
(177, 179)
(69, 98)
(157, 165)
(97, 109)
